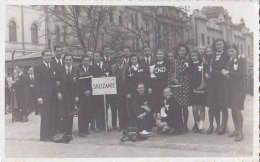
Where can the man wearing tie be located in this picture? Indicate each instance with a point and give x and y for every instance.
(119, 70)
(148, 59)
(126, 54)
(44, 92)
(100, 69)
(68, 95)
(85, 114)
(31, 93)
(57, 63)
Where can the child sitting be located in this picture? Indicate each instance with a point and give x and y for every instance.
(170, 116)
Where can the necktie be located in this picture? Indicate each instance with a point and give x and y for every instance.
(59, 63)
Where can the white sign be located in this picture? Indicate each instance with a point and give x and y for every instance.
(103, 86)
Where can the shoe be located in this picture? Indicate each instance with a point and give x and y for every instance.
(210, 130)
(67, 138)
(97, 130)
(83, 134)
(222, 130)
(233, 134)
(201, 131)
(177, 132)
(185, 129)
(239, 137)
(195, 128)
(24, 119)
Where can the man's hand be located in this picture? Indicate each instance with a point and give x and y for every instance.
(146, 108)
(128, 96)
(141, 116)
(150, 91)
(207, 75)
(87, 93)
(59, 96)
(40, 101)
(76, 99)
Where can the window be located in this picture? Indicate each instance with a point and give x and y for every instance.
(203, 39)
(57, 32)
(249, 50)
(208, 40)
(34, 33)
(111, 18)
(120, 20)
(12, 31)
(136, 20)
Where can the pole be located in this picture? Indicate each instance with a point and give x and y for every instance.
(105, 107)
(12, 91)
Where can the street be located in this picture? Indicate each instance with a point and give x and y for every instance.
(22, 140)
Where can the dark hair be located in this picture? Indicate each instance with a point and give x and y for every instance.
(44, 51)
(67, 55)
(179, 46)
(85, 56)
(90, 51)
(106, 46)
(195, 51)
(100, 52)
(19, 66)
(55, 47)
(146, 47)
(214, 44)
(134, 55)
(126, 48)
(160, 49)
(234, 47)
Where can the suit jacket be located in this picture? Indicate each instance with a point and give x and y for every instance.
(44, 81)
(111, 60)
(143, 61)
(84, 80)
(68, 87)
(20, 87)
(120, 74)
(98, 72)
(57, 68)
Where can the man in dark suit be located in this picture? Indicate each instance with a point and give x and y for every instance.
(127, 54)
(119, 70)
(57, 63)
(20, 87)
(108, 58)
(85, 114)
(44, 92)
(32, 104)
(100, 69)
(68, 95)
(147, 58)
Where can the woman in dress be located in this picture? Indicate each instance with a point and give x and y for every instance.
(178, 72)
(217, 95)
(235, 72)
(197, 93)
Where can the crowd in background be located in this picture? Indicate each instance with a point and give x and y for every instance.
(154, 89)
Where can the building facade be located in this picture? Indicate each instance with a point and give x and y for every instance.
(25, 31)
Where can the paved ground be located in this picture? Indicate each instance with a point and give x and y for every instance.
(22, 140)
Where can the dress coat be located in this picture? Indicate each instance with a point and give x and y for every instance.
(217, 92)
(21, 92)
(237, 72)
(44, 88)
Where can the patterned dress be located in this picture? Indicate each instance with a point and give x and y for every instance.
(181, 93)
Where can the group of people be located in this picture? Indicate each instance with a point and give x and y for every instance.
(153, 90)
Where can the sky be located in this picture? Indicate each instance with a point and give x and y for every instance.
(246, 10)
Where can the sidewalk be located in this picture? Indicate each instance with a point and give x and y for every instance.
(23, 138)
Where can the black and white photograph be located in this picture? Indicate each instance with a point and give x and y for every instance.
(153, 79)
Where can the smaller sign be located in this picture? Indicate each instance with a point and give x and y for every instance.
(104, 86)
